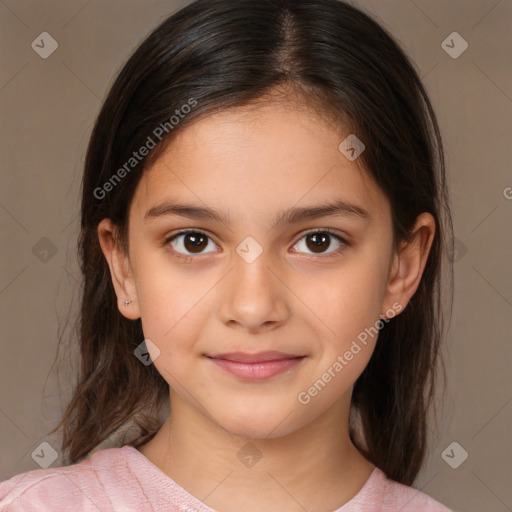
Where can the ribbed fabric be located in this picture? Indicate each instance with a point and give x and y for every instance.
(124, 480)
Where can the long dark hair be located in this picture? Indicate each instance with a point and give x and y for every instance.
(218, 54)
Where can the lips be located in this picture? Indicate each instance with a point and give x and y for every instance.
(259, 366)
(259, 357)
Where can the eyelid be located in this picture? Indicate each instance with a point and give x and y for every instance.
(323, 230)
(342, 239)
(184, 231)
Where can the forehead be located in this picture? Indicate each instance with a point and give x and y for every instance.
(260, 158)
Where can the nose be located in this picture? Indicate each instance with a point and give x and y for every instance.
(254, 297)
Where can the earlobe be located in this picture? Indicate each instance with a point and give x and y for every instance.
(409, 262)
(121, 272)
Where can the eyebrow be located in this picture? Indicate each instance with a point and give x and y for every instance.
(291, 216)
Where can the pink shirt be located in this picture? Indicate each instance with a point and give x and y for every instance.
(122, 479)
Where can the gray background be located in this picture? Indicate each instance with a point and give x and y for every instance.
(47, 109)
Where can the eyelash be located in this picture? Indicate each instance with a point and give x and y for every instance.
(185, 258)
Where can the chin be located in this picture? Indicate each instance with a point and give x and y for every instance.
(251, 424)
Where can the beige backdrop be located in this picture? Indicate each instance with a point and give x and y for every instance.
(48, 106)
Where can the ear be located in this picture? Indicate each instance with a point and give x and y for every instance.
(121, 270)
(408, 264)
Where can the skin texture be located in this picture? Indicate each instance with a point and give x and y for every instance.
(251, 164)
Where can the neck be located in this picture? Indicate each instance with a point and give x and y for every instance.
(316, 467)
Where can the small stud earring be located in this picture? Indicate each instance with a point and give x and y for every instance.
(127, 302)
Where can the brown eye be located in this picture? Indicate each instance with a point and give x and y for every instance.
(190, 242)
(195, 242)
(318, 242)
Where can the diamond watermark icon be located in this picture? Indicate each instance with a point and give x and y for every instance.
(454, 455)
(454, 45)
(459, 250)
(44, 250)
(249, 249)
(147, 352)
(352, 147)
(249, 455)
(44, 45)
(45, 455)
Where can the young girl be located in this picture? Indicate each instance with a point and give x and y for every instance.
(264, 218)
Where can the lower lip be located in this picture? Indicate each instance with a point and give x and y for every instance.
(257, 371)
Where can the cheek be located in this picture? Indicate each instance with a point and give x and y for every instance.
(351, 299)
(348, 307)
(168, 299)
(171, 309)
(175, 305)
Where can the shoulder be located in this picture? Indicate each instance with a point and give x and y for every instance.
(401, 497)
(385, 495)
(102, 482)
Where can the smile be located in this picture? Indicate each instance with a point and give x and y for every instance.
(256, 366)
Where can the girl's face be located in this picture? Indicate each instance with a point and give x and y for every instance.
(252, 276)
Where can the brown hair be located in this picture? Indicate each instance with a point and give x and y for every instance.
(216, 57)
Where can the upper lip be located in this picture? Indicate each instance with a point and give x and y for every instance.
(259, 357)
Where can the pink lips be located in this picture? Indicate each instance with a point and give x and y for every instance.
(262, 365)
